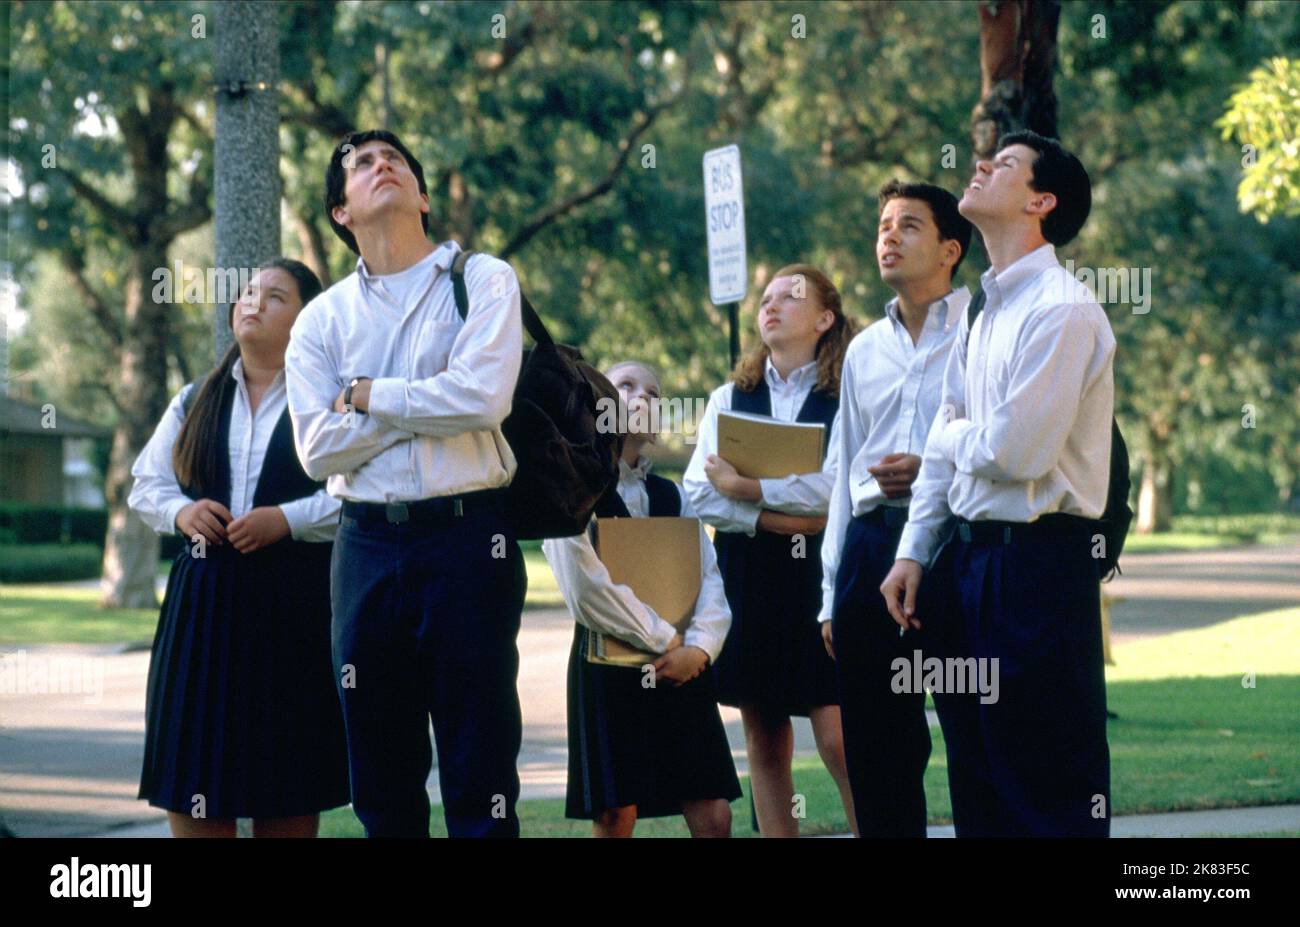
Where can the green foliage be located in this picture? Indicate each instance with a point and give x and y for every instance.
(50, 524)
(1264, 116)
(48, 563)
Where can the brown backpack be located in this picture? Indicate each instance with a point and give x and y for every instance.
(565, 463)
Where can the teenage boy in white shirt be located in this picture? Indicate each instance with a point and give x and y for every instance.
(890, 391)
(1020, 457)
(399, 404)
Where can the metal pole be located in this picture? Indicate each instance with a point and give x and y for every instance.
(733, 317)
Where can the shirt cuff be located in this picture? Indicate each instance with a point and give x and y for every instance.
(706, 642)
(948, 435)
(828, 610)
(294, 515)
(663, 636)
(387, 398)
(916, 543)
(172, 509)
(746, 515)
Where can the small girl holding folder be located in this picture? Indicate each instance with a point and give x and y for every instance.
(768, 539)
(641, 743)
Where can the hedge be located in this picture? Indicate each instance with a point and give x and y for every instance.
(49, 563)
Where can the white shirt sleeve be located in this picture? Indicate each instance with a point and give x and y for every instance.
(928, 514)
(597, 602)
(155, 494)
(474, 393)
(314, 517)
(852, 425)
(327, 442)
(1026, 432)
(804, 493)
(712, 618)
(713, 507)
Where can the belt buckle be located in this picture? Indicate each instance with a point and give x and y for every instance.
(457, 507)
(1006, 534)
(396, 512)
(963, 531)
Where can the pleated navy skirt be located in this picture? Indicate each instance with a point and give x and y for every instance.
(242, 709)
(773, 657)
(652, 748)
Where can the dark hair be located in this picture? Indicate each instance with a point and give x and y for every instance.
(830, 348)
(1058, 172)
(194, 454)
(952, 225)
(336, 177)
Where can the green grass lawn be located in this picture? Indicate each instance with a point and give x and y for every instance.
(43, 613)
(1205, 532)
(1178, 744)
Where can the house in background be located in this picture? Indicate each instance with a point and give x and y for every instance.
(46, 458)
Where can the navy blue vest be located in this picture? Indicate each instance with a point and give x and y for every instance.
(818, 407)
(282, 478)
(665, 500)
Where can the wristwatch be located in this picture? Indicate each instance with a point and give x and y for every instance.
(347, 395)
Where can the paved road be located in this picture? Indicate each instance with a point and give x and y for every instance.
(1160, 593)
(69, 764)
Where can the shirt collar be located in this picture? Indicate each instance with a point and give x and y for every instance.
(797, 376)
(237, 373)
(443, 256)
(637, 470)
(1006, 284)
(938, 311)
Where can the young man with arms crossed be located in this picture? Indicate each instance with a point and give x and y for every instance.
(889, 395)
(400, 405)
(1020, 455)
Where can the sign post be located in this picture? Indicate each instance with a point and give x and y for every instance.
(724, 213)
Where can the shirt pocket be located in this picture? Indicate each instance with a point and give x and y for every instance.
(432, 348)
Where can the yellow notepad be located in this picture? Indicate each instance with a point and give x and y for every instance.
(659, 559)
(762, 448)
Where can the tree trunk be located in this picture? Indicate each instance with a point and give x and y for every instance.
(1155, 493)
(1017, 60)
(131, 548)
(247, 159)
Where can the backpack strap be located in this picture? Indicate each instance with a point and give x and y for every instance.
(973, 309)
(532, 321)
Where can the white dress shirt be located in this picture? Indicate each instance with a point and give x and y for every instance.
(1024, 429)
(890, 391)
(798, 494)
(598, 603)
(157, 497)
(441, 388)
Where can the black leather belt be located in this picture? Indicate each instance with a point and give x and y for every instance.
(891, 516)
(1056, 524)
(439, 508)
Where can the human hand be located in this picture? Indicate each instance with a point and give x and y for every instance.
(681, 665)
(896, 473)
(206, 517)
(261, 527)
(899, 590)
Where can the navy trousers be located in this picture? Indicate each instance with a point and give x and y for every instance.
(1033, 762)
(426, 614)
(886, 734)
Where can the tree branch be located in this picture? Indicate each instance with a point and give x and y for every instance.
(74, 264)
(119, 218)
(606, 183)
